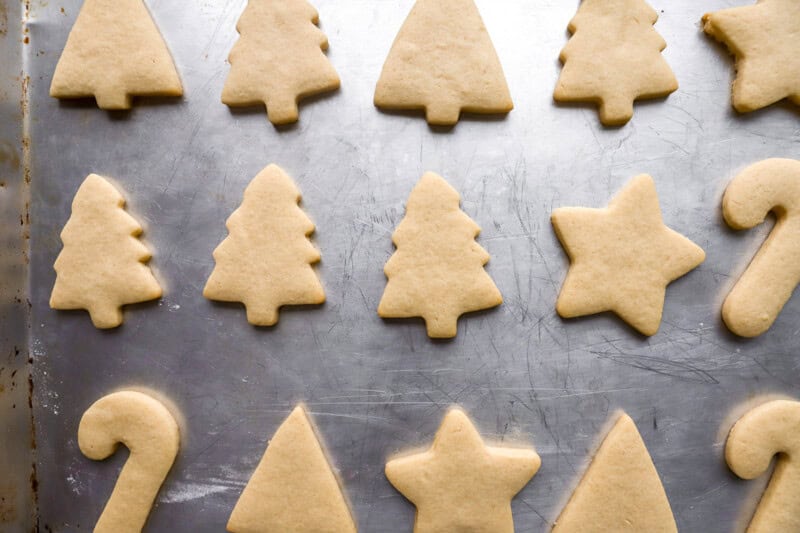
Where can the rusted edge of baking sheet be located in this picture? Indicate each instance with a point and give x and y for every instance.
(17, 442)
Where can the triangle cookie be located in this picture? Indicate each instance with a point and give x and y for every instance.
(293, 488)
(443, 61)
(620, 491)
(115, 51)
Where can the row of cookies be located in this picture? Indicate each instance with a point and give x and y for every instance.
(442, 60)
(458, 484)
(622, 257)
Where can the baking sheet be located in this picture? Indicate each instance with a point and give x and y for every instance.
(17, 482)
(375, 387)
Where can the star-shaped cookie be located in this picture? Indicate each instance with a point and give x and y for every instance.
(622, 257)
(460, 484)
(765, 38)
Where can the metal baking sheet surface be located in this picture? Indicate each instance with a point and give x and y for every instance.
(375, 387)
(17, 481)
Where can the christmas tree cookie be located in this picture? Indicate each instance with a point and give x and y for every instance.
(443, 61)
(293, 487)
(102, 265)
(115, 51)
(765, 40)
(437, 271)
(620, 490)
(460, 484)
(622, 257)
(771, 430)
(265, 262)
(279, 59)
(613, 58)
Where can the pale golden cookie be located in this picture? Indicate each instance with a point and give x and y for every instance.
(443, 61)
(278, 59)
(620, 490)
(265, 262)
(765, 40)
(622, 257)
(293, 489)
(613, 58)
(771, 429)
(461, 485)
(437, 271)
(150, 432)
(102, 265)
(767, 284)
(113, 52)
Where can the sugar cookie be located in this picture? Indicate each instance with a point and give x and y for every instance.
(293, 487)
(265, 262)
(764, 40)
(443, 61)
(151, 433)
(613, 58)
(437, 271)
(459, 483)
(620, 490)
(771, 429)
(279, 59)
(622, 257)
(102, 265)
(767, 284)
(115, 51)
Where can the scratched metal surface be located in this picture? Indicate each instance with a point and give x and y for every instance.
(16, 459)
(374, 386)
